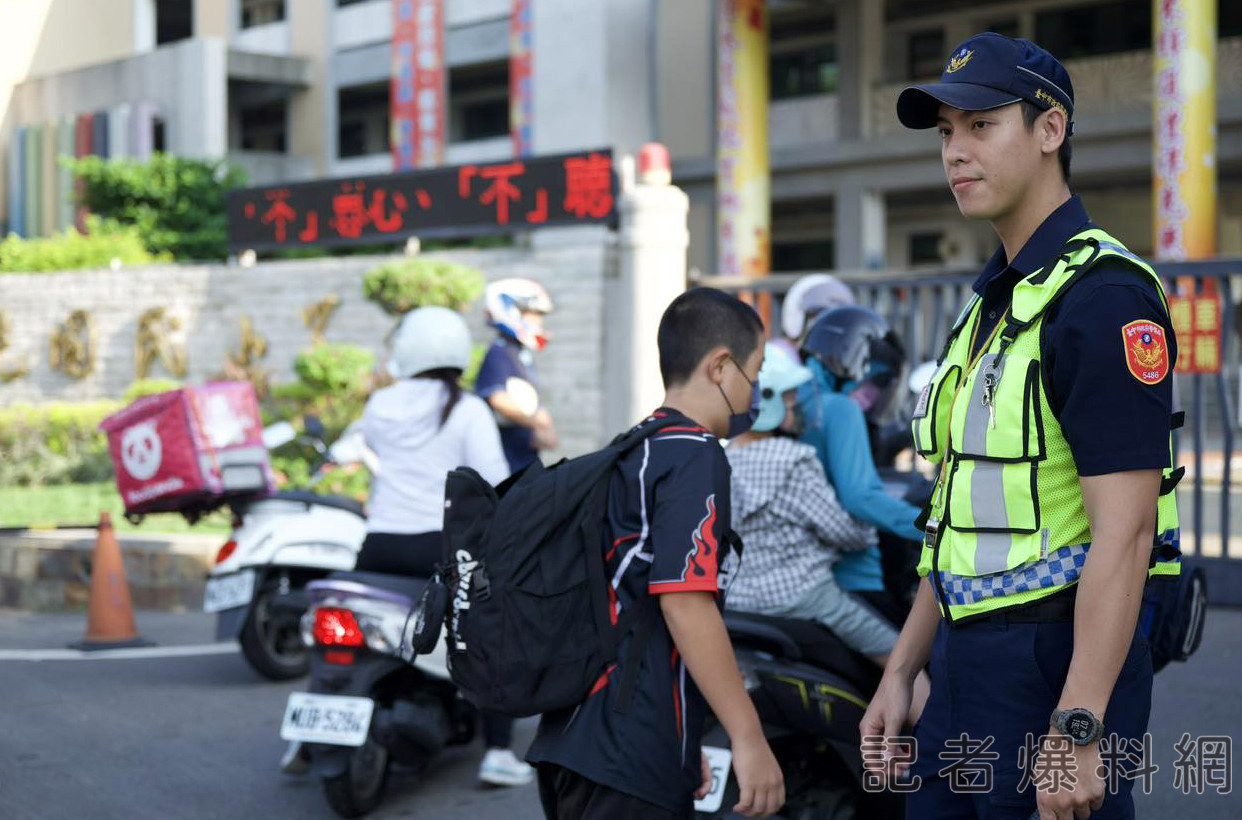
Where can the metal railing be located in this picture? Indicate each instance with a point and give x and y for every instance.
(921, 305)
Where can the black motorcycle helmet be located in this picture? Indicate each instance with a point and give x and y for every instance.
(861, 354)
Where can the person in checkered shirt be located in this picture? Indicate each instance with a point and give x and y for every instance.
(792, 524)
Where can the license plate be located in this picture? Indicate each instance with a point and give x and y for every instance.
(334, 719)
(229, 591)
(719, 761)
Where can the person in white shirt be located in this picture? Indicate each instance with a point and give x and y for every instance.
(420, 428)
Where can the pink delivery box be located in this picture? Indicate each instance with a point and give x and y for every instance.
(189, 450)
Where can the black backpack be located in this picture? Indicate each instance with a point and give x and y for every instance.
(1172, 615)
(530, 625)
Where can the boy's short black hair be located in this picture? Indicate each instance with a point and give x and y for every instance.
(698, 321)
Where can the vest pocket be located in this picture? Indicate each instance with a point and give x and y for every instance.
(931, 415)
(992, 496)
(997, 415)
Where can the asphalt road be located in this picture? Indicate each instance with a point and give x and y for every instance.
(196, 737)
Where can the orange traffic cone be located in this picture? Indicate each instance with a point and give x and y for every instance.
(110, 624)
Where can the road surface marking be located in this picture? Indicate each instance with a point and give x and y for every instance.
(136, 653)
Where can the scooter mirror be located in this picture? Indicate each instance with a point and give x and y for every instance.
(920, 377)
(275, 435)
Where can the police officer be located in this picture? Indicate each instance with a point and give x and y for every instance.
(1050, 418)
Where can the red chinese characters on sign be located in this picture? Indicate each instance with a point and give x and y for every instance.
(1196, 321)
(500, 187)
(517, 194)
(588, 185)
(353, 210)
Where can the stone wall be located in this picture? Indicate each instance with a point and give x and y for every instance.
(210, 302)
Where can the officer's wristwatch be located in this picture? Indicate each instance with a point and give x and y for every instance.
(1079, 725)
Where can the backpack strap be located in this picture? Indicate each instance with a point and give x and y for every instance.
(640, 621)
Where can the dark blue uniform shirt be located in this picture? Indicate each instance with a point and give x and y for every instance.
(1112, 420)
(668, 512)
(506, 360)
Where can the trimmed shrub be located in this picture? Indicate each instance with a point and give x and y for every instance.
(105, 242)
(335, 368)
(403, 285)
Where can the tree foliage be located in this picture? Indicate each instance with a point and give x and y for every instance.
(177, 204)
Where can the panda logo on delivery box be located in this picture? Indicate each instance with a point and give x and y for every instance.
(142, 451)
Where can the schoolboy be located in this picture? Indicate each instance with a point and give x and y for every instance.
(668, 536)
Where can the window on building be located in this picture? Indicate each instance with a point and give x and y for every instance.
(1088, 31)
(925, 248)
(259, 12)
(159, 134)
(479, 101)
(1229, 18)
(341, 3)
(265, 127)
(804, 72)
(925, 54)
(174, 20)
(362, 114)
(803, 62)
(789, 257)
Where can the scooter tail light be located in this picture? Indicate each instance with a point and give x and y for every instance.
(230, 546)
(335, 626)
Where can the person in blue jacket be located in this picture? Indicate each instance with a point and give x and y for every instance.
(857, 361)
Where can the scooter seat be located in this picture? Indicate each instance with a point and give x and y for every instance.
(795, 639)
(407, 585)
(339, 502)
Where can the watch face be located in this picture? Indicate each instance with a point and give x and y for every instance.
(1080, 725)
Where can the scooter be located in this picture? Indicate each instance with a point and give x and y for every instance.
(279, 543)
(811, 692)
(369, 707)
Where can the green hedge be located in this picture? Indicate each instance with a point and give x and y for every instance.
(104, 242)
(56, 443)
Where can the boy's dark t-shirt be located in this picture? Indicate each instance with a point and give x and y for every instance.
(668, 512)
(508, 361)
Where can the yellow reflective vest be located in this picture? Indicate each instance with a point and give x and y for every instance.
(1007, 525)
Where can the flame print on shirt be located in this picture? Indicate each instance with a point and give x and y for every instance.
(700, 561)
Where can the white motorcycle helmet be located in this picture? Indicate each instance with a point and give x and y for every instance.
(780, 373)
(429, 338)
(507, 299)
(809, 297)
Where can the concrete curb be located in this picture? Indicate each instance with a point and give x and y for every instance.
(49, 570)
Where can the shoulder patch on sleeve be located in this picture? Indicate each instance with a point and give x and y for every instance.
(1147, 351)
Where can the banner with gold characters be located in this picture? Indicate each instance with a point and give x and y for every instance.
(1184, 129)
(1197, 325)
(743, 188)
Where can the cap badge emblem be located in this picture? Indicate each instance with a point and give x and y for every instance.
(959, 60)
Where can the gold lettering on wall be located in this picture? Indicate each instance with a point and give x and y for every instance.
(316, 316)
(72, 346)
(245, 363)
(154, 342)
(14, 371)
